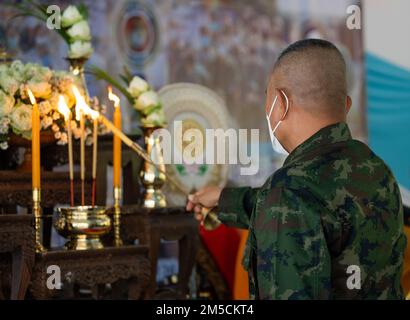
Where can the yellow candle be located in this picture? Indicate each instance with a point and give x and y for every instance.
(116, 140)
(35, 142)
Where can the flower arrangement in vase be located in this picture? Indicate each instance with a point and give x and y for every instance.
(72, 25)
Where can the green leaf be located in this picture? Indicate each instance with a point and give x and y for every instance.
(100, 74)
(151, 109)
(127, 74)
(125, 79)
(82, 8)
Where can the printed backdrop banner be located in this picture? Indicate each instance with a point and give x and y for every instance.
(388, 91)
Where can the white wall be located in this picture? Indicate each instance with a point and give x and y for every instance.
(387, 29)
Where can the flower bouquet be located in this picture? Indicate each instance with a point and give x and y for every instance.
(46, 85)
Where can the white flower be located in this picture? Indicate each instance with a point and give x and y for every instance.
(137, 86)
(46, 122)
(16, 70)
(63, 139)
(44, 107)
(156, 118)
(80, 31)
(53, 100)
(146, 100)
(4, 145)
(4, 125)
(6, 104)
(80, 49)
(30, 70)
(8, 83)
(41, 90)
(70, 16)
(63, 81)
(55, 128)
(21, 118)
(36, 72)
(56, 116)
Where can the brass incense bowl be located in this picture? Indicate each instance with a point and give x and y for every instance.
(83, 226)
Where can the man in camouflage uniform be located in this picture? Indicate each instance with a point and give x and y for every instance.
(333, 211)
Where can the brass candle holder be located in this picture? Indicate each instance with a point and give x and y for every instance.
(83, 226)
(117, 216)
(153, 176)
(37, 219)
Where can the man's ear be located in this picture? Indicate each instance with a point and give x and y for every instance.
(348, 104)
(281, 103)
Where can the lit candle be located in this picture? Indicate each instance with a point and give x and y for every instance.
(65, 111)
(116, 139)
(94, 173)
(35, 142)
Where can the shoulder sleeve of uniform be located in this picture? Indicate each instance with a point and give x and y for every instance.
(293, 259)
(235, 206)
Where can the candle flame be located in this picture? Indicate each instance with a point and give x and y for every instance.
(63, 108)
(113, 97)
(31, 96)
(81, 107)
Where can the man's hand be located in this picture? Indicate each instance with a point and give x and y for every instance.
(207, 197)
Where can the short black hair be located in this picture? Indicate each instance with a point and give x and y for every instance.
(305, 44)
(314, 71)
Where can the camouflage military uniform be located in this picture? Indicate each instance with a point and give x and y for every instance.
(333, 204)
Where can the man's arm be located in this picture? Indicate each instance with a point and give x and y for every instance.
(293, 261)
(235, 206)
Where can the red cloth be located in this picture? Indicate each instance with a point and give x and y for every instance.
(223, 244)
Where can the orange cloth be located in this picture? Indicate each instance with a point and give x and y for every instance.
(405, 279)
(241, 285)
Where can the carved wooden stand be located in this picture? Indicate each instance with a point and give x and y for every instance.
(152, 225)
(94, 268)
(17, 238)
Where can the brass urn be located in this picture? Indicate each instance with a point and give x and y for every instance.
(83, 226)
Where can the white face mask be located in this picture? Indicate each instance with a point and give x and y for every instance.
(276, 145)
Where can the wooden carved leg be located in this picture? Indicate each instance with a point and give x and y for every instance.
(154, 252)
(188, 246)
(39, 289)
(97, 291)
(134, 289)
(2, 297)
(21, 274)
